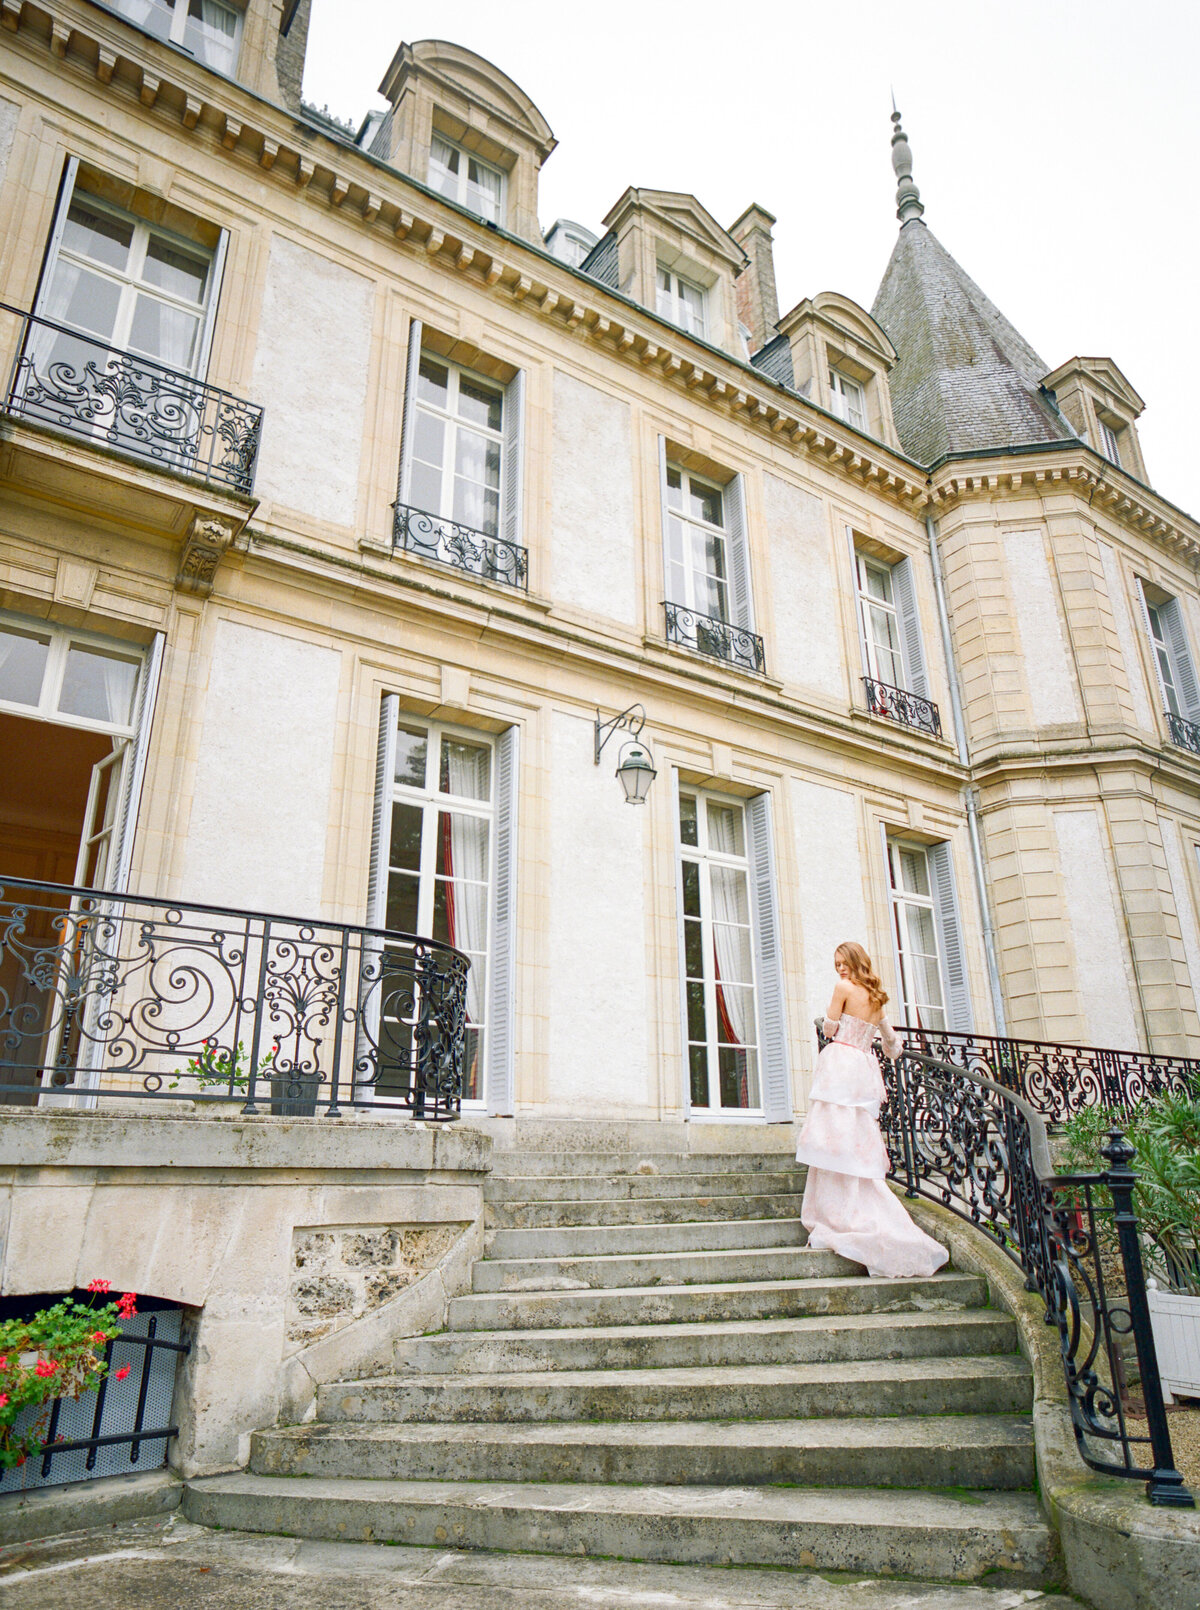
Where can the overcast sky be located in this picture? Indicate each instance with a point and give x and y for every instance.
(1054, 143)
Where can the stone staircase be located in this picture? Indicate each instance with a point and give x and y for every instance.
(653, 1366)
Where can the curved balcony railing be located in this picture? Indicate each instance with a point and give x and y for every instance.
(898, 704)
(107, 995)
(718, 639)
(1183, 733)
(459, 546)
(71, 380)
(980, 1150)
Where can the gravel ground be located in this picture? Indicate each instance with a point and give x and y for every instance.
(1183, 1422)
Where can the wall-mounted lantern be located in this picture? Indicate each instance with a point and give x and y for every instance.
(635, 768)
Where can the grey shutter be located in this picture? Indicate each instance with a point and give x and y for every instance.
(216, 275)
(905, 593)
(511, 462)
(134, 768)
(858, 605)
(950, 945)
(408, 422)
(899, 1005)
(381, 821)
(741, 598)
(774, 1067)
(662, 504)
(1158, 681)
(66, 189)
(501, 1005)
(683, 1007)
(1171, 615)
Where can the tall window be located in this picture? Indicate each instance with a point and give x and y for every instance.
(913, 896)
(457, 447)
(462, 177)
(1173, 663)
(718, 954)
(879, 621)
(206, 29)
(52, 674)
(681, 301)
(1164, 657)
(696, 556)
(848, 400)
(439, 877)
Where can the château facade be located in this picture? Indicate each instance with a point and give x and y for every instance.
(913, 635)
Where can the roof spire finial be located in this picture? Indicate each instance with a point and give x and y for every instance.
(908, 197)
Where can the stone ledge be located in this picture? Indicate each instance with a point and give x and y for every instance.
(83, 1505)
(1119, 1551)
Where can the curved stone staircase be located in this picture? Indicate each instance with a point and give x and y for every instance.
(653, 1366)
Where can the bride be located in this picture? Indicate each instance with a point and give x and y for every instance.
(847, 1204)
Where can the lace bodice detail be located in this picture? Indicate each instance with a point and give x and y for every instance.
(856, 1031)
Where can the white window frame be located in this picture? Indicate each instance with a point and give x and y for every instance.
(1171, 652)
(453, 423)
(868, 603)
(177, 29)
(705, 858)
(847, 398)
(671, 301)
(458, 186)
(916, 1013)
(694, 589)
(902, 586)
(61, 639)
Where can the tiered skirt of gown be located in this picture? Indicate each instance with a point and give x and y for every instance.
(848, 1206)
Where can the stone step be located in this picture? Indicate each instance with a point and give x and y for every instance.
(589, 1240)
(767, 1299)
(644, 1210)
(870, 1531)
(921, 1386)
(652, 1269)
(993, 1452)
(639, 1187)
(953, 1334)
(506, 1164)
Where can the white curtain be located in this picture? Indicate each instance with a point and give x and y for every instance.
(469, 870)
(213, 40)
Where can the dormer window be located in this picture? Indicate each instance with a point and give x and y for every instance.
(462, 177)
(205, 29)
(1109, 445)
(681, 301)
(847, 399)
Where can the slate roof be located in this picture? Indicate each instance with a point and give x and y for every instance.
(601, 262)
(964, 378)
(775, 359)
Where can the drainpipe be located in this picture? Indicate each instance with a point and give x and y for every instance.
(969, 796)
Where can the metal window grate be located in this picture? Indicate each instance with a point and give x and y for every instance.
(897, 704)
(445, 542)
(716, 638)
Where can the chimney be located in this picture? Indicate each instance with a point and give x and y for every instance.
(757, 303)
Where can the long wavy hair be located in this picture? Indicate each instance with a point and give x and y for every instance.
(862, 972)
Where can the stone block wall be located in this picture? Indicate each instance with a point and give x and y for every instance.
(342, 1272)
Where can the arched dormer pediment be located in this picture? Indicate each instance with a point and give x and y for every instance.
(480, 81)
(841, 358)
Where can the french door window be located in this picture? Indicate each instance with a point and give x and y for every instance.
(71, 678)
(1164, 658)
(848, 399)
(206, 29)
(878, 617)
(680, 301)
(457, 174)
(718, 955)
(439, 879)
(913, 896)
(458, 444)
(696, 557)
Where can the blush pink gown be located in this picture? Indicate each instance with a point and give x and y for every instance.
(847, 1204)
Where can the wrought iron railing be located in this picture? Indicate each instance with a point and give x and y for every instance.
(76, 382)
(718, 639)
(122, 1425)
(116, 995)
(1184, 733)
(447, 543)
(898, 704)
(1059, 1080)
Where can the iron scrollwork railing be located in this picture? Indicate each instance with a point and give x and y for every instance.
(1060, 1080)
(117, 995)
(73, 381)
(718, 639)
(1183, 733)
(430, 536)
(898, 704)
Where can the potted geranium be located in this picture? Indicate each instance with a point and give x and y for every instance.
(57, 1353)
(1165, 1134)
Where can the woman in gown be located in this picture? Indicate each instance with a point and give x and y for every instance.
(847, 1203)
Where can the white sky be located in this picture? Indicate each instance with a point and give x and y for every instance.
(1054, 144)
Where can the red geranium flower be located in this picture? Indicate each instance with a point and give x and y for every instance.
(127, 1307)
(3, 1400)
(100, 1285)
(45, 1367)
(97, 1336)
(3, 1361)
(123, 1371)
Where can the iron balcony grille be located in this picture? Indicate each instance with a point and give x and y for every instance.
(119, 995)
(1183, 732)
(71, 380)
(718, 639)
(432, 536)
(897, 704)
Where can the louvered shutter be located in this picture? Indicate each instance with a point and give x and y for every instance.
(679, 929)
(1171, 615)
(501, 991)
(741, 600)
(381, 821)
(950, 944)
(864, 656)
(662, 503)
(774, 1066)
(66, 189)
(511, 464)
(134, 768)
(216, 275)
(899, 1007)
(905, 594)
(408, 419)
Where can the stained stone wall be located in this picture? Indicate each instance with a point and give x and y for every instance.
(341, 1272)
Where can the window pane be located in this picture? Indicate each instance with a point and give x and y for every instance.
(691, 890)
(477, 506)
(182, 273)
(433, 382)
(411, 745)
(726, 830)
(466, 769)
(479, 404)
(95, 234)
(879, 582)
(477, 458)
(693, 949)
(696, 1026)
(152, 15)
(85, 301)
(462, 853)
(698, 1072)
(425, 491)
(22, 665)
(706, 503)
(405, 850)
(674, 488)
(164, 332)
(429, 439)
(735, 1015)
(402, 902)
(687, 819)
(739, 1081)
(210, 33)
(98, 686)
(914, 871)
